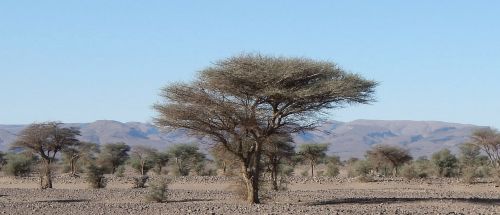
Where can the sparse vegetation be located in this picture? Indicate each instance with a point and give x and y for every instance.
(79, 154)
(95, 176)
(113, 155)
(242, 101)
(18, 164)
(446, 163)
(46, 140)
(140, 182)
(185, 157)
(386, 157)
(143, 159)
(313, 153)
(158, 191)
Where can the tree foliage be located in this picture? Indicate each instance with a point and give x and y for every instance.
(186, 157)
(313, 153)
(278, 152)
(143, 158)
(445, 163)
(113, 155)
(242, 101)
(488, 140)
(387, 156)
(79, 155)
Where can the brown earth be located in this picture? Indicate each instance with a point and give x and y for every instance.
(213, 195)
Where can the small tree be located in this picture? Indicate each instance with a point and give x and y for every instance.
(143, 158)
(46, 140)
(382, 156)
(159, 161)
(446, 163)
(84, 152)
(276, 152)
(113, 155)
(95, 176)
(313, 153)
(488, 140)
(332, 166)
(186, 157)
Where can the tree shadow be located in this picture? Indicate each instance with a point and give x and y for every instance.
(403, 200)
(64, 200)
(191, 200)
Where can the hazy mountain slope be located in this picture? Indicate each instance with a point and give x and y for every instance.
(346, 139)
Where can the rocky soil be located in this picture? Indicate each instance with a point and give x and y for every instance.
(214, 195)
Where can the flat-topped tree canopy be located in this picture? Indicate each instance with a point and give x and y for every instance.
(284, 91)
(242, 101)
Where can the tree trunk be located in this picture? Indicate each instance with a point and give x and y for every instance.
(73, 167)
(312, 169)
(252, 176)
(252, 187)
(274, 176)
(142, 167)
(45, 176)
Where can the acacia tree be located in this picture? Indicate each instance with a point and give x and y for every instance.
(143, 158)
(488, 140)
(46, 140)
(388, 156)
(278, 149)
(83, 151)
(242, 101)
(113, 155)
(313, 153)
(186, 156)
(160, 159)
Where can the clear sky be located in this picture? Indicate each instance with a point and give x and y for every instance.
(80, 61)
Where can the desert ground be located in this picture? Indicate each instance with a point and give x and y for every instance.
(215, 195)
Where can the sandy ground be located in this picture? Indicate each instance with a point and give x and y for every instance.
(213, 195)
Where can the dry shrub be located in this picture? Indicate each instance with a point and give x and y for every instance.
(95, 176)
(469, 175)
(332, 170)
(158, 191)
(140, 182)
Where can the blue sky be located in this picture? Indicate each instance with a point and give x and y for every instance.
(80, 61)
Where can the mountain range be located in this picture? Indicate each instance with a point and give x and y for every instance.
(346, 139)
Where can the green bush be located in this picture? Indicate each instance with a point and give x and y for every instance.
(332, 170)
(95, 176)
(158, 191)
(417, 169)
(120, 171)
(446, 163)
(286, 170)
(361, 169)
(18, 165)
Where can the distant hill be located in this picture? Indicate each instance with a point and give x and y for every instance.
(347, 139)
